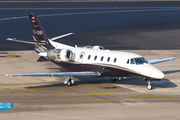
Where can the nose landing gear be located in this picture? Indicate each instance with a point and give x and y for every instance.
(149, 86)
(114, 79)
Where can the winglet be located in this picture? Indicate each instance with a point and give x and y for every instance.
(7, 75)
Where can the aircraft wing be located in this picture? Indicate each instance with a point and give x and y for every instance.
(154, 61)
(85, 73)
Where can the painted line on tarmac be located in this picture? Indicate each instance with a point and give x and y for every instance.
(13, 18)
(81, 13)
(94, 8)
(95, 100)
(10, 56)
(145, 96)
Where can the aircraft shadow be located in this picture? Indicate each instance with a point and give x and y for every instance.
(60, 69)
(78, 81)
(172, 71)
(164, 83)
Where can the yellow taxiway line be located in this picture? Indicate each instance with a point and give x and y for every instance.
(93, 100)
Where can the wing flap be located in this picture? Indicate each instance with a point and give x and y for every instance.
(87, 73)
(155, 61)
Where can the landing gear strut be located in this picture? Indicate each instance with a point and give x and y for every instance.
(69, 81)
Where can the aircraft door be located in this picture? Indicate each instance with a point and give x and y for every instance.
(81, 56)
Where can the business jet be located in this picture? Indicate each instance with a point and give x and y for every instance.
(90, 60)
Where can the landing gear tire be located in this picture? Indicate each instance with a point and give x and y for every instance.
(149, 87)
(69, 83)
(113, 79)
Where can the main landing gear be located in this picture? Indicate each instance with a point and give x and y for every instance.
(114, 79)
(69, 81)
(149, 86)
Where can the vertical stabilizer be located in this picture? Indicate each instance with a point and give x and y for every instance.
(38, 32)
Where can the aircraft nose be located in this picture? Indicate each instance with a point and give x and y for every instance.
(156, 73)
(160, 75)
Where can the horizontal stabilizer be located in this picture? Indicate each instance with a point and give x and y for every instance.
(154, 61)
(86, 73)
(61, 36)
(24, 41)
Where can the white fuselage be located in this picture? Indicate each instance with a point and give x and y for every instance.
(116, 59)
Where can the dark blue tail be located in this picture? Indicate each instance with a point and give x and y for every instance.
(38, 32)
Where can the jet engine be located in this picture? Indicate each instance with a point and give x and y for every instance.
(58, 55)
(94, 47)
(98, 47)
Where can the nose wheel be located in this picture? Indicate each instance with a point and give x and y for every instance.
(149, 86)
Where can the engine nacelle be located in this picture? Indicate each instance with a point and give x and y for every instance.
(58, 55)
(67, 55)
(98, 47)
(94, 47)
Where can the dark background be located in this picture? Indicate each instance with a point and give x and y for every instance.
(114, 25)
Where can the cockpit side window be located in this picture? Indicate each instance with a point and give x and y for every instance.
(128, 61)
(132, 61)
(81, 56)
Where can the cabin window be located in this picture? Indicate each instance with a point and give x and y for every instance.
(95, 57)
(81, 56)
(108, 59)
(128, 61)
(115, 59)
(102, 58)
(89, 57)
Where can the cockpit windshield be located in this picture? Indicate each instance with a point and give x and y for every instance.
(137, 61)
(141, 60)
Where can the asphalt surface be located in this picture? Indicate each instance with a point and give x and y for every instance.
(114, 25)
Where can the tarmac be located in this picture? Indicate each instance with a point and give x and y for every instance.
(90, 97)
